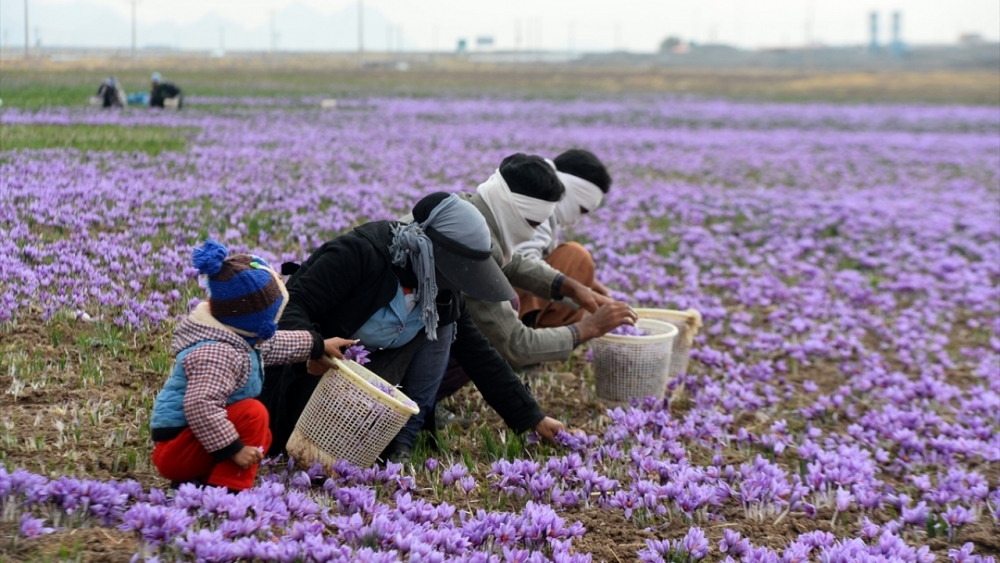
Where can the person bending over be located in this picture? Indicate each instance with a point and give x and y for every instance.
(111, 94)
(397, 288)
(164, 93)
(519, 197)
(587, 182)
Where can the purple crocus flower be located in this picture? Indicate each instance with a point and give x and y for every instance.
(695, 544)
(33, 527)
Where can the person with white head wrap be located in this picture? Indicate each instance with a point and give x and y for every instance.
(522, 194)
(513, 212)
(587, 181)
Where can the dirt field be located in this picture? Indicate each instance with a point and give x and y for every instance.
(852, 225)
(47, 83)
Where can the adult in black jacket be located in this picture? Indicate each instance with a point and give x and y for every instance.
(111, 94)
(349, 287)
(162, 91)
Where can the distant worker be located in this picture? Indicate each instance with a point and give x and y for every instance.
(164, 94)
(111, 94)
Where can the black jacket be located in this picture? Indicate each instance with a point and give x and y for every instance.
(340, 287)
(161, 92)
(110, 96)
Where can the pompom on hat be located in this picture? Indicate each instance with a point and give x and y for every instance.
(245, 294)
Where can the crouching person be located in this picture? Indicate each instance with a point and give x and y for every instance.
(164, 94)
(398, 289)
(587, 182)
(207, 425)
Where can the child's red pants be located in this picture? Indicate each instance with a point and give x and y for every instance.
(184, 458)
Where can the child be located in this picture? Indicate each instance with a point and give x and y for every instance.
(206, 423)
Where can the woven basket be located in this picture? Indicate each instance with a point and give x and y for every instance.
(688, 324)
(349, 418)
(634, 367)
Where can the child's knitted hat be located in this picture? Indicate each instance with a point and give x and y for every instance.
(245, 294)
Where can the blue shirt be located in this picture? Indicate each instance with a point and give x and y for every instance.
(391, 326)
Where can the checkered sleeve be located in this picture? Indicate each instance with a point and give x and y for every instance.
(213, 371)
(287, 347)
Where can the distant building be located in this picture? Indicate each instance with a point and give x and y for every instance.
(669, 44)
(484, 43)
(463, 46)
(897, 47)
(971, 39)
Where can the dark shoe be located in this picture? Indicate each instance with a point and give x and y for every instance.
(396, 453)
(444, 418)
(402, 454)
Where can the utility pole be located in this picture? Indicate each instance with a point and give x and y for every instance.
(274, 35)
(361, 30)
(810, 10)
(133, 32)
(26, 39)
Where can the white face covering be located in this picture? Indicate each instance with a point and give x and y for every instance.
(579, 193)
(512, 212)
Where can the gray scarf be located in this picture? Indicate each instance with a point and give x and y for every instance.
(411, 243)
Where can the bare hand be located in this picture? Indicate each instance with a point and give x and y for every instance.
(319, 367)
(606, 319)
(548, 428)
(248, 456)
(332, 346)
(600, 289)
(581, 294)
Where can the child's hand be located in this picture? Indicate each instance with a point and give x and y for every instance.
(332, 347)
(248, 456)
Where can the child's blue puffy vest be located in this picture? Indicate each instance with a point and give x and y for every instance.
(168, 410)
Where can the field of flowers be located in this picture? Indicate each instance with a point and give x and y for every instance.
(843, 400)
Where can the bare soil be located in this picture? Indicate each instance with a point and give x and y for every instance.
(128, 384)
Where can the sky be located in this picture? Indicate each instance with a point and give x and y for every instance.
(635, 25)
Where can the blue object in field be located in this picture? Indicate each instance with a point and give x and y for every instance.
(138, 98)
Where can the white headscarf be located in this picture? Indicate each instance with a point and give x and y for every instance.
(579, 193)
(512, 212)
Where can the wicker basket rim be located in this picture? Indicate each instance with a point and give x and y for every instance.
(347, 369)
(669, 332)
(653, 313)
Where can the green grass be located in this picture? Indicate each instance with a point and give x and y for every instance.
(149, 139)
(337, 76)
(40, 94)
